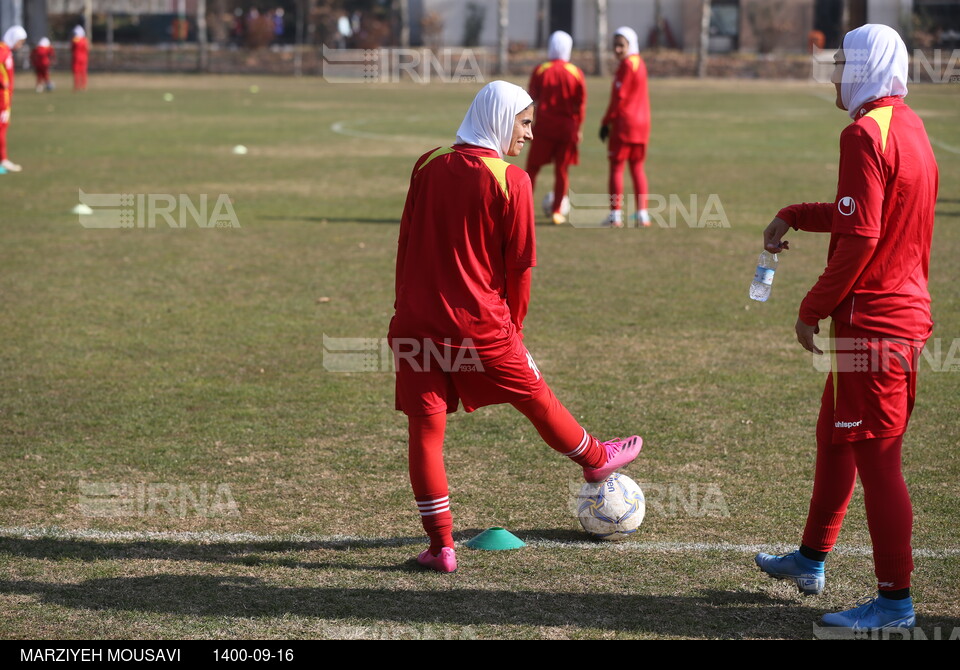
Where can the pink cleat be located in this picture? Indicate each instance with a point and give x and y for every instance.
(619, 454)
(445, 561)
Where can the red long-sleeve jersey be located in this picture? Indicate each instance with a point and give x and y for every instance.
(41, 57)
(79, 50)
(628, 114)
(466, 245)
(560, 93)
(881, 226)
(6, 76)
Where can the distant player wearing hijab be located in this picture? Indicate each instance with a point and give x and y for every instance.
(79, 50)
(560, 94)
(627, 125)
(875, 290)
(464, 260)
(41, 58)
(13, 39)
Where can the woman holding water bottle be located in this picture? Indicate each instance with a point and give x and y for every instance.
(875, 290)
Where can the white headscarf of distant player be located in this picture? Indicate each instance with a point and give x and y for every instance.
(78, 31)
(877, 65)
(629, 34)
(13, 35)
(489, 121)
(560, 46)
(44, 42)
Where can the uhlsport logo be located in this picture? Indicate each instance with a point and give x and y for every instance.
(846, 205)
(146, 210)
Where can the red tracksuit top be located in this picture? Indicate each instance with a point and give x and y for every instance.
(628, 114)
(468, 224)
(881, 226)
(559, 90)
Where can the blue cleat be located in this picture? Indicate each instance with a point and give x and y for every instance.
(806, 574)
(875, 614)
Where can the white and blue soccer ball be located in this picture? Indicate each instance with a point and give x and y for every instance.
(547, 204)
(612, 509)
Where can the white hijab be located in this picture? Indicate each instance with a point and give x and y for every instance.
(13, 35)
(44, 42)
(78, 31)
(489, 121)
(629, 34)
(560, 46)
(877, 65)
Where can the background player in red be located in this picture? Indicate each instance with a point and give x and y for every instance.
(13, 39)
(558, 90)
(79, 50)
(464, 259)
(627, 125)
(875, 289)
(42, 58)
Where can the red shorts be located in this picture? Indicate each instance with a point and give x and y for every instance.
(544, 151)
(436, 381)
(618, 151)
(872, 385)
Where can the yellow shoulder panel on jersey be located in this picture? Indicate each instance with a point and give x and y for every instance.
(574, 70)
(498, 167)
(634, 61)
(438, 152)
(882, 116)
(544, 67)
(5, 80)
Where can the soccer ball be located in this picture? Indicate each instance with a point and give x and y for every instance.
(548, 204)
(612, 509)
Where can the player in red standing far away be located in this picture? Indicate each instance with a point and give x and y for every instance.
(560, 95)
(627, 125)
(875, 290)
(79, 49)
(13, 39)
(42, 58)
(464, 260)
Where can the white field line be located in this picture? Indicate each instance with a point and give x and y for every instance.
(339, 541)
(946, 147)
(342, 128)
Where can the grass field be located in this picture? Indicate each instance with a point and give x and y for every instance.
(266, 495)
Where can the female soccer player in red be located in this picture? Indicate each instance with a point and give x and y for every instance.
(41, 58)
(464, 260)
(627, 124)
(875, 290)
(80, 52)
(13, 39)
(560, 94)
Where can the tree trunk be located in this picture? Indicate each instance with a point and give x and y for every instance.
(704, 38)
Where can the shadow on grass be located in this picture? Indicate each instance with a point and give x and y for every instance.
(438, 601)
(712, 614)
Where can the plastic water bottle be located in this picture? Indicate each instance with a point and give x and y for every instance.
(763, 277)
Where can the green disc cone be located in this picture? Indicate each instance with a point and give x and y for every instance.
(496, 539)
